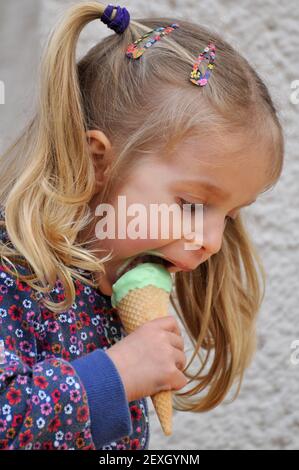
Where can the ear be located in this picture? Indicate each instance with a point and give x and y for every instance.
(100, 150)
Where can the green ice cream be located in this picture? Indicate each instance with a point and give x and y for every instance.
(144, 274)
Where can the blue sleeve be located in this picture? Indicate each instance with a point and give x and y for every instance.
(108, 405)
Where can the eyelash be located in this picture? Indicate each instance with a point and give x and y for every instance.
(183, 201)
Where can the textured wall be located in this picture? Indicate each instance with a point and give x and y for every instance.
(265, 416)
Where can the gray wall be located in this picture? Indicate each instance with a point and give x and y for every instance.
(266, 413)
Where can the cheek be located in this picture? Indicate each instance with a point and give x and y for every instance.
(132, 217)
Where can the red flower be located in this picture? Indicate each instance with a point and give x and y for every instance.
(135, 412)
(73, 329)
(3, 444)
(14, 396)
(47, 445)
(17, 419)
(84, 318)
(91, 347)
(66, 355)
(54, 425)
(10, 343)
(25, 438)
(67, 370)
(55, 395)
(23, 286)
(15, 313)
(60, 297)
(135, 444)
(40, 382)
(82, 414)
(47, 314)
(104, 342)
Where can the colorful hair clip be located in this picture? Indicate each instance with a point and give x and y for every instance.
(201, 77)
(135, 50)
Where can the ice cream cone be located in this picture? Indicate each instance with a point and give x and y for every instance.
(141, 295)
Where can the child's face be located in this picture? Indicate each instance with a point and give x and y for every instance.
(241, 176)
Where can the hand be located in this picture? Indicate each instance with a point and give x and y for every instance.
(151, 359)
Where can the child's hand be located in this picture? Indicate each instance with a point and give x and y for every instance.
(151, 358)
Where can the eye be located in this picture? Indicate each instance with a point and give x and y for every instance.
(183, 201)
(193, 205)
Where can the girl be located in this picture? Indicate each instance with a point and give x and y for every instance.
(128, 121)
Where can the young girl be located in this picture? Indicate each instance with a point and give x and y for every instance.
(127, 120)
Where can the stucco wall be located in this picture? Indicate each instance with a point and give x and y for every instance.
(266, 413)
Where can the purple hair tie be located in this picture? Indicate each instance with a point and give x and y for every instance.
(121, 21)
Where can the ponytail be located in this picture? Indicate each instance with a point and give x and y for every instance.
(48, 204)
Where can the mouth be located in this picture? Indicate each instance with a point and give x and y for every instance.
(148, 257)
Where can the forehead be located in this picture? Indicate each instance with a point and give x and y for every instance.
(231, 162)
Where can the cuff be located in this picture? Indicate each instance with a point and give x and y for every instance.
(109, 409)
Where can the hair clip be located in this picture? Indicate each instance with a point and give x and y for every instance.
(135, 50)
(201, 77)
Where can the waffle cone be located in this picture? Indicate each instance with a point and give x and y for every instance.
(137, 307)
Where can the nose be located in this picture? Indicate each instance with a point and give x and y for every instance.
(213, 234)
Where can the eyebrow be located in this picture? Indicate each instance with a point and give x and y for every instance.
(219, 192)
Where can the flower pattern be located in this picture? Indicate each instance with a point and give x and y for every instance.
(43, 403)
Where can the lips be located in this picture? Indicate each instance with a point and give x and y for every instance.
(183, 267)
(179, 265)
(152, 256)
(132, 262)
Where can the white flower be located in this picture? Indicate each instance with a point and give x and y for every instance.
(40, 423)
(3, 313)
(49, 372)
(27, 303)
(59, 435)
(70, 380)
(42, 395)
(68, 409)
(6, 409)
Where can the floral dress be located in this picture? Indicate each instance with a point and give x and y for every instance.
(43, 402)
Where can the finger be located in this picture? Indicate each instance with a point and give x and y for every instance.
(180, 359)
(176, 341)
(171, 324)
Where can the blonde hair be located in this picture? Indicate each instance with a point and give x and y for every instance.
(47, 175)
